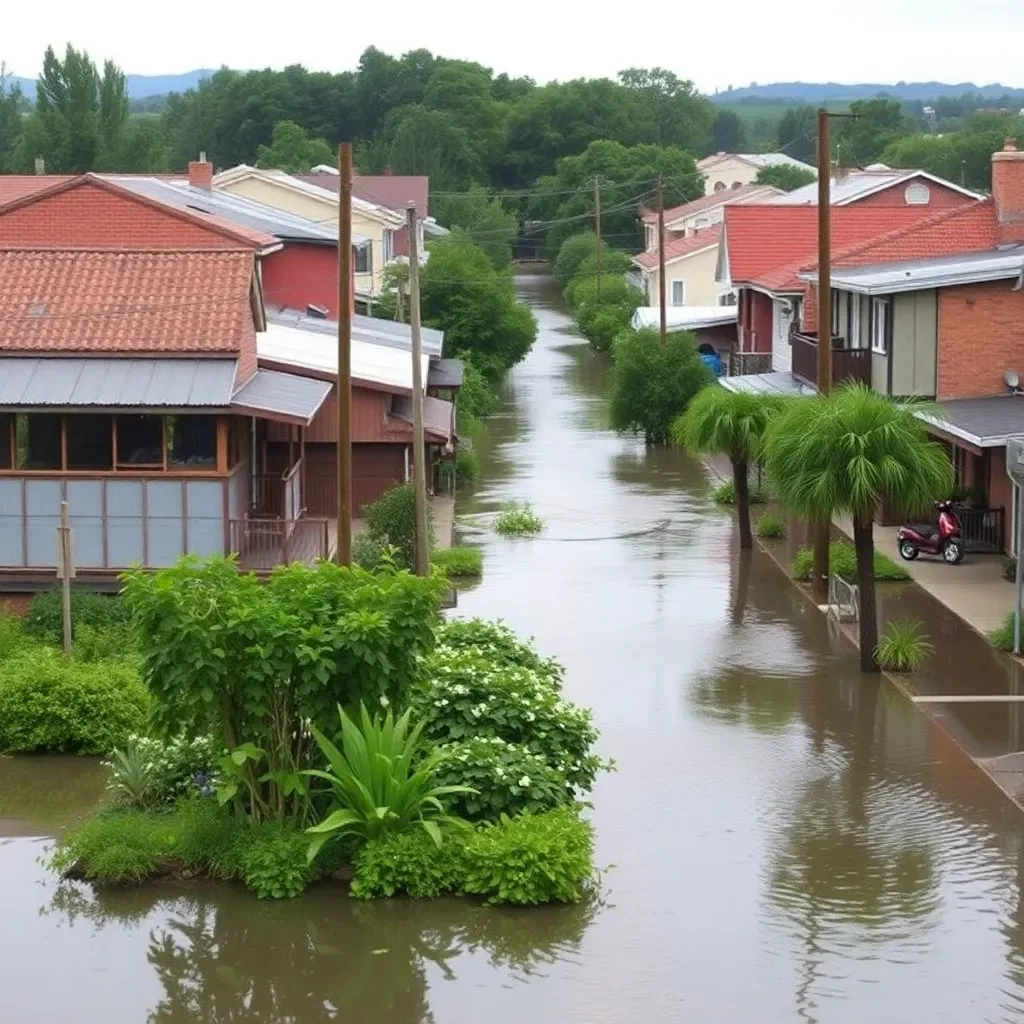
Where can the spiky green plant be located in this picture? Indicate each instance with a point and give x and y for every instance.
(843, 454)
(903, 646)
(770, 527)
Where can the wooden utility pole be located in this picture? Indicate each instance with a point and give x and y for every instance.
(421, 538)
(823, 531)
(597, 230)
(345, 353)
(662, 302)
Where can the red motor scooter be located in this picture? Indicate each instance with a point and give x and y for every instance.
(940, 538)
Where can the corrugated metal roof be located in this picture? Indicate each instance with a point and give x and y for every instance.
(282, 396)
(374, 330)
(684, 318)
(775, 383)
(985, 422)
(445, 373)
(437, 414)
(111, 383)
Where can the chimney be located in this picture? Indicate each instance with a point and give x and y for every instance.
(40, 165)
(200, 173)
(1008, 193)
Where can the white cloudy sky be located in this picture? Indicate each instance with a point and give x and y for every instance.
(715, 43)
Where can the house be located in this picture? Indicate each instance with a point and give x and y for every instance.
(701, 213)
(690, 262)
(724, 171)
(284, 191)
(879, 185)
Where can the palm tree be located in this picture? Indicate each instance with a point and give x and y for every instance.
(843, 454)
(732, 423)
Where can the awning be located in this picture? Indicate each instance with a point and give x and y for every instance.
(445, 373)
(684, 318)
(981, 422)
(283, 397)
(95, 382)
(437, 415)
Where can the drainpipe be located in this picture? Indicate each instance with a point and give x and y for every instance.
(405, 459)
(252, 468)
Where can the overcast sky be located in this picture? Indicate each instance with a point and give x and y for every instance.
(715, 43)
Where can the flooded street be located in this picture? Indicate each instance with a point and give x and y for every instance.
(784, 839)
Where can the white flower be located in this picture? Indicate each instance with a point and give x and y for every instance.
(384, 702)
(524, 781)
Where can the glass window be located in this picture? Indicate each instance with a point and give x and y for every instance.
(880, 326)
(6, 437)
(678, 292)
(361, 258)
(140, 441)
(90, 442)
(192, 442)
(38, 441)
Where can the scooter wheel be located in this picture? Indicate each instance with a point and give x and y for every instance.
(953, 552)
(908, 550)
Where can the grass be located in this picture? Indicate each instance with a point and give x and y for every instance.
(770, 527)
(459, 562)
(842, 560)
(903, 646)
(518, 520)
(725, 494)
(1002, 637)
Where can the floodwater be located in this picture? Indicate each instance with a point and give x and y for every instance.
(784, 839)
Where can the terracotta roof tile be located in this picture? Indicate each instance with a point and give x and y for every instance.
(17, 186)
(681, 247)
(709, 202)
(85, 300)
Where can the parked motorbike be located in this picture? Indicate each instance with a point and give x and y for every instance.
(943, 537)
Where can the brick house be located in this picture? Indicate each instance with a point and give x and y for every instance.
(879, 185)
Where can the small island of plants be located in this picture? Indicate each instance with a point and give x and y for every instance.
(327, 725)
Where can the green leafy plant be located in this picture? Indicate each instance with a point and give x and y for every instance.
(497, 644)
(391, 518)
(518, 520)
(459, 562)
(97, 611)
(49, 703)
(467, 464)
(272, 862)
(842, 561)
(505, 778)
(117, 848)
(368, 551)
(408, 863)
(150, 772)
(770, 527)
(130, 781)
(531, 859)
(1002, 636)
(903, 646)
(379, 783)
(1010, 569)
(725, 494)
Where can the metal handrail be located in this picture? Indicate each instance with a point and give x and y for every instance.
(843, 599)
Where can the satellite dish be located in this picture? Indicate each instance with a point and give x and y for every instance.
(1012, 379)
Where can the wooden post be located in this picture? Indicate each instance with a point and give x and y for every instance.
(344, 385)
(66, 568)
(819, 583)
(662, 302)
(599, 256)
(421, 538)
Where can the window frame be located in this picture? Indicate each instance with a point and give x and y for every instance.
(682, 292)
(881, 316)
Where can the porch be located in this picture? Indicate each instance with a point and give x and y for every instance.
(848, 364)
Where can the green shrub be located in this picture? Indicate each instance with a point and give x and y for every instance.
(391, 518)
(150, 772)
(105, 643)
(1002, 636)
(116, 848)
(49, 703)
(531, 859)
(1009, 570)
(459, 562)
(476, 397)
(368, 551)
(88, 608)
(506, 779)
(903, 646)
(495, 643)
(842, 561)
(210, 840)
(574, 250)
(13, 638)
(769, 527)
(408, 863)
(272, 861)
(725, 494)
(517, 520)
(467, 464)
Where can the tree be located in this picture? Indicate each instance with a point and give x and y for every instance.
(731, 423)
(65, 128)
(676, 113)
(462, 294)
(727, 133)
(785, 176)
(861, 139)
(571, 254)
(845, 453)
(964, 158)
(485, 221)
(652, 383)
(11, 103)
(798, 133)
(463, 90)
(291, 149)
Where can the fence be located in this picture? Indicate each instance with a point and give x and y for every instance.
(983, 529)
(843, 600)
(264, 543)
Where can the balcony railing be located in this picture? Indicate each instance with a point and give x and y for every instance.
(264, 543)
(983, 529)
(741, 364)
(847, 363)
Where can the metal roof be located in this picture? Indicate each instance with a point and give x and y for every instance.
(234, 208)
(437, 414)
(936, 272)
(445, 373)
(684, 318)
(284, 397)
(371, 329)
(778, 383)
(855, 185)
(99, 382)
(984, 422)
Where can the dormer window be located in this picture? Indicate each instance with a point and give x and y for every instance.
(917, 194)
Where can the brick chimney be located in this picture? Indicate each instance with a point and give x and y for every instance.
(1008, 192)
(200, 173)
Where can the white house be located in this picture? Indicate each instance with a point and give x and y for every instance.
(724, 171)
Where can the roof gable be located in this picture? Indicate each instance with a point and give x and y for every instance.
(682, 248)
(393, 191)
(746, 193)
(857, 185)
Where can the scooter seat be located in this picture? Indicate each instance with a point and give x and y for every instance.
(924, 529)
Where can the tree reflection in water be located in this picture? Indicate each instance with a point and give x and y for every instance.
(222, 957)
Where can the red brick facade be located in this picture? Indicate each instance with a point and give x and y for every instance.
(1008, 193)
(941, 197)
(755, 321)
(980, 335)
(301, 275)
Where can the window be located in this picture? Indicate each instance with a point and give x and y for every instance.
(140, 441)
(880, 321)
(389, 246)
(720, 186)
(678, 293)
(917, 194)
(737, 184)
(853, 305)
(362, 258)
(834, 298)
(727, 299)
(701, 223)
(38, 441)
(6, 439)
(192, 442)
(90, 442)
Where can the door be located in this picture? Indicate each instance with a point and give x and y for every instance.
(782, 354)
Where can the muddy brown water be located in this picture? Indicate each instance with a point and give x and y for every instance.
(784, 839)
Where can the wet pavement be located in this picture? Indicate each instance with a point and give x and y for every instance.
(784, 839)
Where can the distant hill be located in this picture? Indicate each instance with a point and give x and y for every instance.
(825, 92)
(140, 87)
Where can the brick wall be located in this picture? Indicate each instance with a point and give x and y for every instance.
(301, 275)
(88, 215)
(940, 198)
(1008, 193)
(981, 335)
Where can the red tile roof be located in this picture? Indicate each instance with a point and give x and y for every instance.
(102, 301)
(393, 191)
(710, 202)
(16, 186)
(768, 244)
(681, 247)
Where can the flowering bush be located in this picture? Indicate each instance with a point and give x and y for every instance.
(496, 642)
(507, 779)
(149, 772)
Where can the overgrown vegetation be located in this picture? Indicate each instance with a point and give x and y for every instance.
(459, 562)
(903, 646)
(1002, 636)
(842, 561)
(725, 494)
(518, 520)
(390, 523)
(770, 527)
